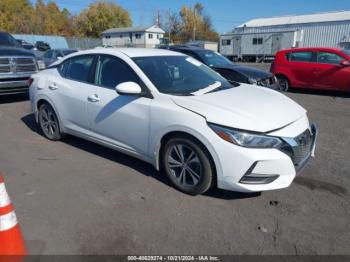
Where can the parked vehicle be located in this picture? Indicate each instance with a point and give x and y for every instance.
(16, 66)
(229, 70)
(42, 46)
(313, 68)
(25, 44)
(179, 115)
(53, 55)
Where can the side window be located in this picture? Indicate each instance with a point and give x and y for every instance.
(48, 54)
(301, 57)
(111, 71)
(329, 58)
(77, 68)
(54, 54)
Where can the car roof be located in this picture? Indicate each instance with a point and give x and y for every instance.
(187, 47)
(132, 52)
(300, 49)
(64, 49)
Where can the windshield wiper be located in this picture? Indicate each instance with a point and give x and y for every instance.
(208, 89)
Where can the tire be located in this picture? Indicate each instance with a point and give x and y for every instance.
(49, 123)
(187, 165)
(283, 83)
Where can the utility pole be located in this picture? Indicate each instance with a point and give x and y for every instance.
(158, 18)
(170, 25)
(194, 25)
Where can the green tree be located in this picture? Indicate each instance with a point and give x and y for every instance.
(99, 17)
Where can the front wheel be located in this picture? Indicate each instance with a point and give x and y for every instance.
(283, 83)
(187, 164)
(48, 122)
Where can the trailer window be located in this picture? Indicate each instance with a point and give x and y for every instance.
(301, 57)
(226, 42)
(257, 41)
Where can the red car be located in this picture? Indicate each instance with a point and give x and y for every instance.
(314, 68)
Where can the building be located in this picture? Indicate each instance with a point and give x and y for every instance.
(260, 39)
(148, 37)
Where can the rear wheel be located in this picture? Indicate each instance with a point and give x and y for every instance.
(48, 122)
(283, 83)
(187, 164)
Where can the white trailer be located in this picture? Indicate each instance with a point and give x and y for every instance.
(260, 39)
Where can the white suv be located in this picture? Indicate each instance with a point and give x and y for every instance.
(179, 115)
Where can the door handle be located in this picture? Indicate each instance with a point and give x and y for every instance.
(53, 86)
(316, 69)
(93, 98)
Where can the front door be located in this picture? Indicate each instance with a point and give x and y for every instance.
(329, 74)
(237, 45)
(122, 120)
(276, 43)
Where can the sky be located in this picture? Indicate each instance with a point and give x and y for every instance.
(225, 14)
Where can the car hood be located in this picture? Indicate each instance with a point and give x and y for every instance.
(245, 107)
(14, 51)
(250, 71)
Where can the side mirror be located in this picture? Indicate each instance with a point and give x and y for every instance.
(59, 57)
(128, 88)
(345, 63)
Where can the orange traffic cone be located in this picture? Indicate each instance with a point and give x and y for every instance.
(11, 241)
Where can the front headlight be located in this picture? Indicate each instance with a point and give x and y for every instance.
(252, 81)
(246, 139)
(41, 64)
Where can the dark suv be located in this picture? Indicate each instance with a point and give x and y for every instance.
(16, 65)
(42, 46)
(226, 68)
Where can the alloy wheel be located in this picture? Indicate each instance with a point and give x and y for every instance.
(184, 165)
(48, 122)
(283, 83)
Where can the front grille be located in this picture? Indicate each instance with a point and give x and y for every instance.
(5, 69)
(299, 148)
(17, 65)
(303, 149)
(25, 68)
(4, 61)
(24, 60)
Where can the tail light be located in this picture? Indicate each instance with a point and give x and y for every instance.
(30, 81)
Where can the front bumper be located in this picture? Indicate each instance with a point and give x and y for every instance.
(13, 86)
(256, 170)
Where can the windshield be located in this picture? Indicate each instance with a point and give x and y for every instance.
(213, 59)
(7, 40)
(180, 75)
(347, 52)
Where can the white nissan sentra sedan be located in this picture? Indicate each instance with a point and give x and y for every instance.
(179, 115)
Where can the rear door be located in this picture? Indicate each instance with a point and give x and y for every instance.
(301, 65)
(69, 91)
(329, 74)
